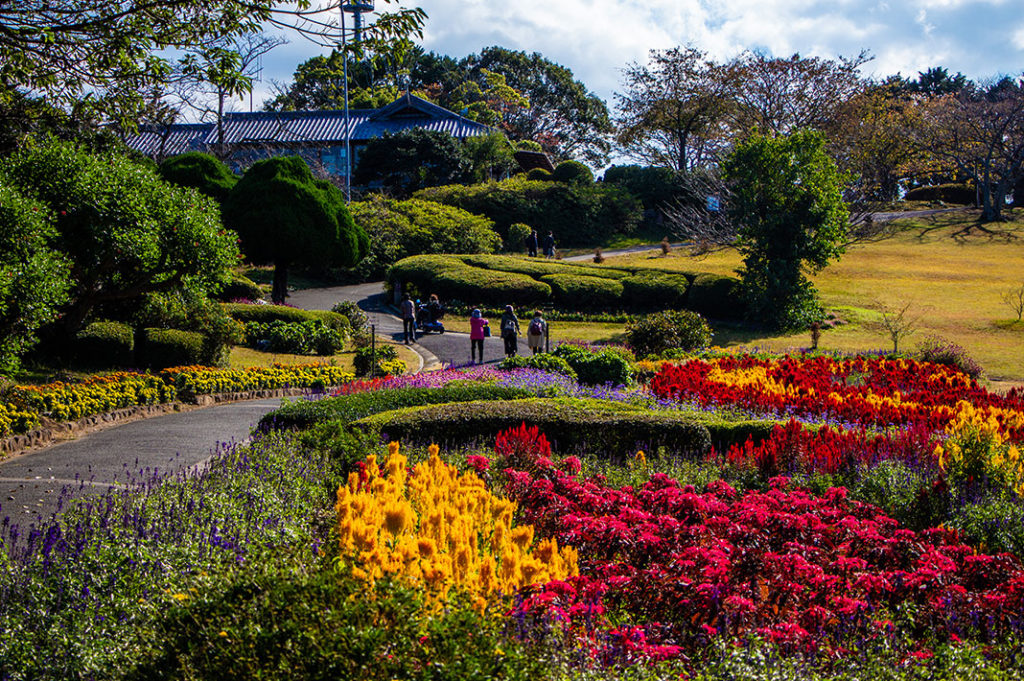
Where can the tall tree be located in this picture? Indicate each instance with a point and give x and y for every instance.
(672, 109)
(566, 119)
(410, 160)
(781, 94)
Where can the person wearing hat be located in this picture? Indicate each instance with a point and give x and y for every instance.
(478, 327)
(510, 331)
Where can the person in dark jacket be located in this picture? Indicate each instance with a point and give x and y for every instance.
(408, 309)
(532, 243)
(549, 245)
(510, 331)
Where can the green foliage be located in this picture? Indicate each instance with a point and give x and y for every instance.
(269, 313)
(105, 344)
(162, 348)
(716, 296)
(963, 194)
(654, 186)
(404, 162)
(609, 365)
(312, 337)
(539, 174)
(578, 292)
(652, 290)
(126, 232)
(202, 172)
(517, 235)
(995, 523)
(453, 279)
(33, 276)
(543, 361)
(286, 216)
(595, 211)
(365, 357)
(604, 428)
(655, 333)
(491, 156)
(787, 204)
(538, 268)
(897, 488)
(572, 172)
(240, 288)
(398, 229)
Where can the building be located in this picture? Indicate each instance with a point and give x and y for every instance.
(317, 136)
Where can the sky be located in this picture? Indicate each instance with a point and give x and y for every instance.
(597, 38)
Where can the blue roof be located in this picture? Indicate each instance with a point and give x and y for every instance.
(170, 140)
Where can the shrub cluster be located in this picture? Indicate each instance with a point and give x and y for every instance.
(388, 363)
(162, 348)
(584, 292)
(451, 279)
(716, 296)
(655, 333)
(594, 211)
(542, 361)
(939, 351)
(271, 313)
(963, 194)
(312, 337)
(105, 344)
(240, 288)
(607, 365)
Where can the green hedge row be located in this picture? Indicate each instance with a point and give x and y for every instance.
(949, 193)
(596, 426)
(110, 344)
(281, 313)
(499, 280)
(105, 344)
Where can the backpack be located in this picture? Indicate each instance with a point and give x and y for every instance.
(508, 326)
(536, 328)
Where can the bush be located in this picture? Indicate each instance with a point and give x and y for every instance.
(543, 361)
(716, 296)
(312, 337)
(271, 313)
(451, 279)
(573, 172)
(609, 365)
(654, 290)
(994, 523)
(517, 235)
(358, 321)
(605, 428)
(579, 292)
(202, 172)
(653, 334)
(240, 288)
(539, 174)
(580, 215)
(962, 194)
(538, 268)
(162, 348)
(385, 354)
(105, 344)
(939, 351)
(398, 229)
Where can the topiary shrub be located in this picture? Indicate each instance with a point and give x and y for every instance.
(609, 365)
(539, 174)
(240, 288)
(162, 348)
(200, 171)
(656, 333)
(716, 296)
(543, 361)
(573, 172)
(537, 268)
(452, 279)
(105, 344)
(654, 290)
(582, 292)
(962, 194)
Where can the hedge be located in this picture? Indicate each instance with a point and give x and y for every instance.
(240, 288)
(452, 279)
(272, 313)
(716, 296)
(348, 408)
(596, 426)
(162, 348)
(538, 268)
(581, 292)
(655, 290)
(950, 193)
(105, 344)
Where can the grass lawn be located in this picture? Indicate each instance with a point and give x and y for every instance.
(952, 273)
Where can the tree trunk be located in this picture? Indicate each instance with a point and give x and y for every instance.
(280, 289)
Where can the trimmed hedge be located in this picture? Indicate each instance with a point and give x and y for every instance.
(716, 296)
(162, 348)
(452, 279)
(240, 288)
(572, 290)
(597, 426)
(347, 408)
(573, 172)
(105, 344)
(950, 193)
(655, 290)
(538, 268)
(281, 313)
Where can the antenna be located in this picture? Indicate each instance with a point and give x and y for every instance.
(357, 8)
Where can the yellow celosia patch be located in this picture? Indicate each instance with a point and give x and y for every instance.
(442, 529)
(976, 445)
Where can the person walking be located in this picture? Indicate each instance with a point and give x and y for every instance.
(536, 331)
(532, 243)
(408, 309)
(478, 330)
(549, 245)
(510, 331)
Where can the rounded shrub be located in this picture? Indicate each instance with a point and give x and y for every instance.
(940, 351)
(539, 174)
(656, 333)
(164, 348)
(716, 296)
(573, 172)
(271, 313)
(584, 292)
(517, 235)
(105, 344)
(200, 171)
(608, 365)
(654, 290)
(240, 288)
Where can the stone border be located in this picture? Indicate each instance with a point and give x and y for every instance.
(60, 431)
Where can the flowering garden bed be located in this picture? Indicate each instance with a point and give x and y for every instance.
(849, 541)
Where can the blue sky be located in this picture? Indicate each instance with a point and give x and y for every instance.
(597, 38)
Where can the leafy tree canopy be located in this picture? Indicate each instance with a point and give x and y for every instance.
(407, 161)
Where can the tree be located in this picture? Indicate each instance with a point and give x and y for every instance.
(491, 156)
(287, 217)
(202, 172)
(672, 109)
(111, 51)
(980, 133)
(786, 203)
(126, 232)
(412, 159)
(936, 82)
(33, 276)
(562, 116)
(777, 95)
